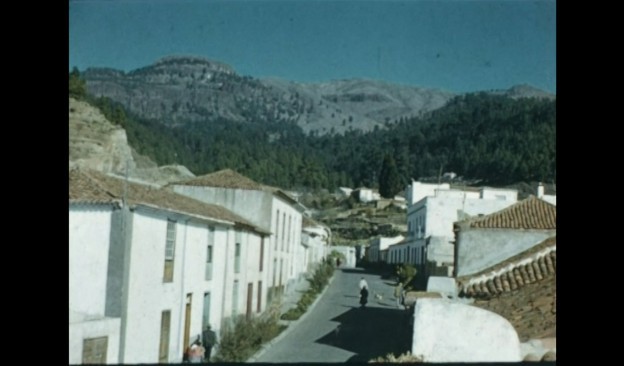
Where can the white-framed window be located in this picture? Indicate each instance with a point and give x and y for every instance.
(209, 253)
(170, 251)
(237, 252)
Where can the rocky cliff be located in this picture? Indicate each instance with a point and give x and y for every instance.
(96, 143)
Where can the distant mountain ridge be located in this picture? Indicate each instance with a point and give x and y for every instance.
(180, 89)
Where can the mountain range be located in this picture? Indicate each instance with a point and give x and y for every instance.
(177, 90)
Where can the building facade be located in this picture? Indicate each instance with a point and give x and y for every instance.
(169, 266)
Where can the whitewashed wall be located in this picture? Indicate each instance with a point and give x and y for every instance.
(148, 296)
(81, 329)
(446, 331)
(89, 241)
(478, 249)
(285, 239)
(417, 191)
(250, 204)
(379, 244)
(348, 252)
(488, 193)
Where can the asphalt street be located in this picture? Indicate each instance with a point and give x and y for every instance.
(338, 330)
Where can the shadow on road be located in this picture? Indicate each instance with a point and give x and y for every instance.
(371, 332)
(358, 270)
(357, 297)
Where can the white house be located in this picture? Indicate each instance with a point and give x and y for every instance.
(402, 252)
(349, 254)
(380, 245)
(174, 265)
(418, 190)
(93, 334)
(316, 239)
(485, 241)
(269, 208)
(365, 195)
(430, 219)
(550, 198)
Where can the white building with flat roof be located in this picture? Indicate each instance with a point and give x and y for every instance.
(430, 219)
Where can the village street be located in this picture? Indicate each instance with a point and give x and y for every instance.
(337, 330)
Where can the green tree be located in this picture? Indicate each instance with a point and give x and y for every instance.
(77, 85)
(389, 179)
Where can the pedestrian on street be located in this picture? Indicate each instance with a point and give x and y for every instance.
(363, 283)
(398, 294)
(196, 352)
(363, 296)
(210, 339)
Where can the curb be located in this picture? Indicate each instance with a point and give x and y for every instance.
(291, 325)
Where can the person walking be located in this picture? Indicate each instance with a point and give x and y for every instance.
(363, 283)
(210, 339)
(398, 294)
(196, 352)
(363, 296)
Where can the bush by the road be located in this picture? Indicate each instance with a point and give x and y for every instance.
(318, 281)
(244, 337)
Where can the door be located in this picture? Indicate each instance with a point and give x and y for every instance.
(259, 304)
(165, 323)
(249, 299)
(94, 350)
(206, 312)
(187, 321)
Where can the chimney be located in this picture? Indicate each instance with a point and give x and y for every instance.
(540, 190)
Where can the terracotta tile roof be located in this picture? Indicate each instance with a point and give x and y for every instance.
(531, 213)
(226, 178)
(523, 290)
(85, 184)
(83, 189)
(525, 268)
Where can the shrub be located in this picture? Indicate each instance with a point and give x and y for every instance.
(243, 337)
(403, 358)
(318, 281)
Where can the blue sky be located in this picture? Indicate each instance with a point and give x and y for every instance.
(460, 45)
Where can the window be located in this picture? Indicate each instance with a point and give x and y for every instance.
(209, 248)
(170, 251)
(261, 253)
(235, 298)
(288, 240)
(94, 350)
(259, 305)
(165, 323)
(281, 271)
(237, 253)
(277, 230)
(274, 271)
(283, 228)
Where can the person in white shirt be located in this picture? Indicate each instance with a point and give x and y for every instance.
(363, 284)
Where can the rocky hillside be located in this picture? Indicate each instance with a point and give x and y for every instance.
(96, 143)
(181, 89)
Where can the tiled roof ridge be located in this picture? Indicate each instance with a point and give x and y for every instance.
(514, 275)
(203, 180)
(84, 174)
(150, 196)
(520, 215)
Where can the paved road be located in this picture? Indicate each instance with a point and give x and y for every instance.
(338, 330)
